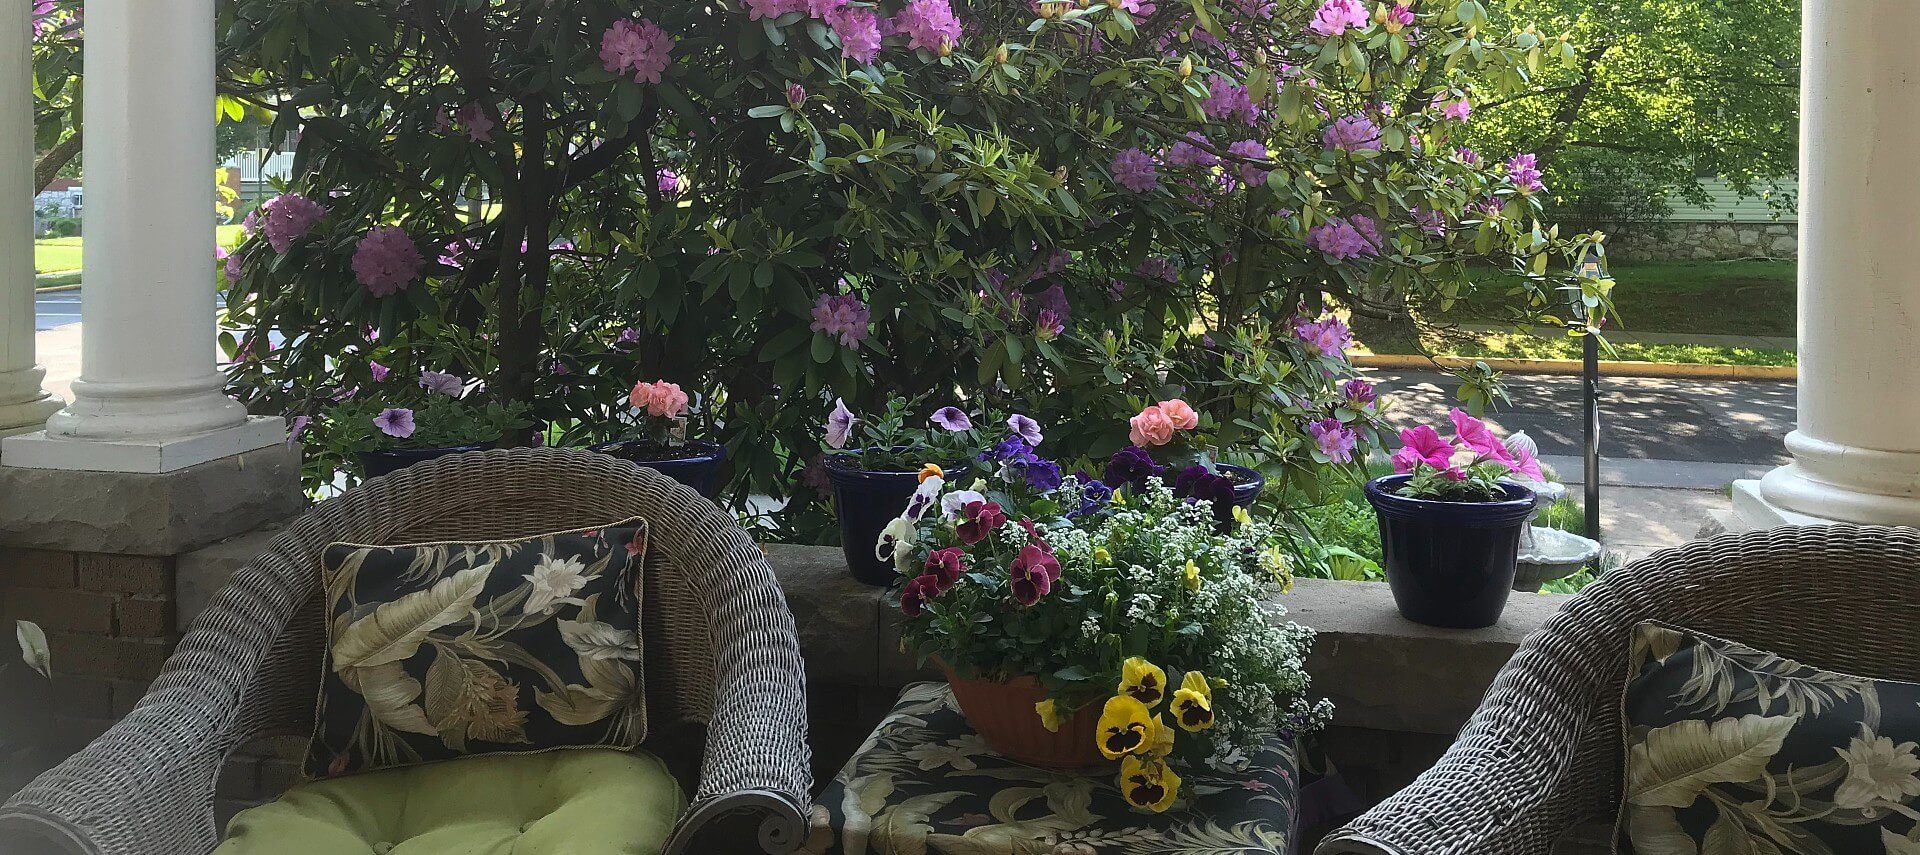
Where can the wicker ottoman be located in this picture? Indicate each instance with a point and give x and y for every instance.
(924, 783)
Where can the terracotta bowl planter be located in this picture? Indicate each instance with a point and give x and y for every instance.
(1002, 713)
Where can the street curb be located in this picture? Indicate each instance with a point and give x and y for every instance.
(55, 289)
(1673, 370)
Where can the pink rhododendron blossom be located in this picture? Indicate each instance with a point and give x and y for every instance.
(1333, 439)
(669, 183)
(1422, 444)
(1249, 174)
(858, 29)
(38, 14)
(289, 216)
(823, 8)
(763, 9)
(841, 316)
(1430, 221)
(1227, 101)
(1458, 109)
(474, 119)
(1157, 267)
(659, 399)
(929, 25)
(386, 261)
(1135, 171)
(1397, 17)
(1327, 337)
(637, 46)
(396, 422)
(1190, 150)
(1467, 156)
(1048, 325)
(232, 267)
(1335, 17)
(1150, 427)
(1525, 174)
(1351, 133)
(1359, 393)
(1341, 239)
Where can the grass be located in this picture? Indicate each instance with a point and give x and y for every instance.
(57, 255)
(1516, 346)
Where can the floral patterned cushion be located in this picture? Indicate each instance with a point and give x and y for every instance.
(443, 650)
(1736, 750)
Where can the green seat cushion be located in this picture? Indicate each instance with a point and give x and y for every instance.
(586, 801)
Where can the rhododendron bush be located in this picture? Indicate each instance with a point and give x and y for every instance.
(1067, 210)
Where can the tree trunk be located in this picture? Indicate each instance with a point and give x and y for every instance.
(53, 161)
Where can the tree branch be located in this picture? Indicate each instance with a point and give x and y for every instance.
(53, 161)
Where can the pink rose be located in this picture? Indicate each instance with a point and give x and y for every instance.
(668, 401)
(1182, 416)
(1151, 427)
(642, 395)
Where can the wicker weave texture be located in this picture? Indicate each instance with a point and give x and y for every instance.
(1543, 754)
(720, 642)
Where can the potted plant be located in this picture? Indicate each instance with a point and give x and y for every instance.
(1170, 431)
(385, 431)
(1083, 625)
(877, 464)
(658, 439)
(1450, 525)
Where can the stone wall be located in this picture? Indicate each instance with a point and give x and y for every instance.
(1702, 241)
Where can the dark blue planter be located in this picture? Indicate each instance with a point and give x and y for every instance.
(865, 502)
(374, 464)
(1247, 483)
(696, 464)
(1450, 564)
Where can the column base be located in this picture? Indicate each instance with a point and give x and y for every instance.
(1752, 511)
(42, 450)
(28, 416)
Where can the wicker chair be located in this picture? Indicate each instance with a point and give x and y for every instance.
(720, 646)
(1542, 756)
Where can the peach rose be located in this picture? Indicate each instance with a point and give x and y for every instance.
(1182, 416)
(668, 401)
(1151, 427)
(641, 396)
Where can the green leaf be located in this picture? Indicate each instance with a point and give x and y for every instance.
(768, 111)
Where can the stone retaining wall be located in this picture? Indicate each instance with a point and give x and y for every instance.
(1702, 241)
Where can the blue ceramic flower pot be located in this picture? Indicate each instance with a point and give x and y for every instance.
(865, 502)
(374, 464)
(696, 464)
(1450, 564)
(1247, 483)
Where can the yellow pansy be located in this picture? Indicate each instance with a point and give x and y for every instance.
(1274, 561)
(1050, 717)
(931, 471)
(1125, 727)
(1193, 703)
(1192, 575)
(1102, 556)
(1241, 516)
(1162, 738)
(1148, 784)
(1143, 681)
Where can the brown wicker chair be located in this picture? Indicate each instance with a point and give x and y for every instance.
(720, 647)
(1542, 756)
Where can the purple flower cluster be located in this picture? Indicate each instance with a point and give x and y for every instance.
(1359, 393)
(1094, 495)
(1191, 150)
(289, 216)
(1326, 337)
(1130, 467)
(1351, 133)
(1226, 101)
(385, 260)
(473, 118)
(637, 46)
(1157, 267)
(1014, 453)
(1248, 173)
(1345, 237)
(1467, 156)
(858, 29)
(1523, 170)
(842, 316)
(1333, 439)
(1135, 171)
(1458, 109)
(669, 183)
(929, 24)
(1430, 221)
(1197, 484)
(1335, 17)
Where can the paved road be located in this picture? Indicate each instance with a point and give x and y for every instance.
(56, 309)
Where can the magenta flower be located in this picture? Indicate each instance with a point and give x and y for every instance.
(1422, 444)
(1524, 460)
(1342, 239)
(1190, 150)
(1250, 174)
(232, 267)
(1335, 17)
(796, 95)
(1521, 169)
(1032, 573)
(1157, 267)
(442, 383)
(1467, 156)
(1430, 221)
(839, 425)
(952, 419)
(1047, 325)
(1025, 428)
(1359, 393)
(1135, 171)
(768, 9)
(295, 427)
(842, 316)
(1399, 16)
(396, 422)
(945, 566)
(1327, 337)
(473, 117)
(1474, 434)
(637, 46)
(385, 260)
(378, 371)
(669, 182)
(289, 216)
(1457, 110)
(1333, 439)
(929, 24)
(1351, 133)
(916, 593)
(858, 29)
(1227, 101)
(628, 339)
(823, 9)
(38, 14)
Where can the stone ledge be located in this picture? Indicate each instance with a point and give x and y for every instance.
(200, 574)
(148, 514)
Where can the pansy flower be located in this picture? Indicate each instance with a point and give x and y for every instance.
(1032, 573)
(944, 566)
(1125, 727)
(1193, 703)
(893, 545)
(1050, 715)
(914, 597)
(1143, 681)
(982, 518)
(1148, 784)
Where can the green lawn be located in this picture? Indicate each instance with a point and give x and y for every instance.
(1515, 346)
(52, 255)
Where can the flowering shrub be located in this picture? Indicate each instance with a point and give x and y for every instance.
(1466, 469)
(1065, 211)
(1111, 598)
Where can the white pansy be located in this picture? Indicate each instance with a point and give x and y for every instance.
(952, 504)
(555, 580)
(923, 497)
(894, 545)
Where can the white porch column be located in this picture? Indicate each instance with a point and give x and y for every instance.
(1856, 453)
(149, 397)
(24, 405)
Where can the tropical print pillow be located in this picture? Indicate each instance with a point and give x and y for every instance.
(1736, 750)
(443, 650)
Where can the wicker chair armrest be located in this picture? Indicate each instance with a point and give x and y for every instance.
(741, 821)
(1516, 778)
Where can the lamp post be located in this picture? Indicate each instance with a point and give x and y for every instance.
(1592, 266)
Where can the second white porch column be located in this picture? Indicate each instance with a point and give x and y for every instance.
(149, 397)
(23, 404)
(1856, 452)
